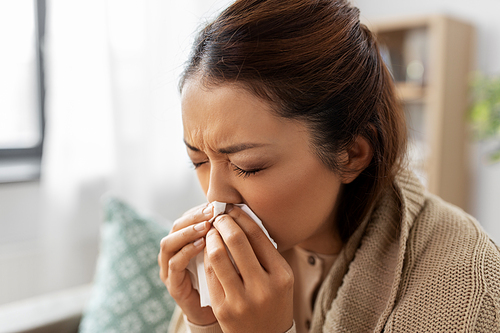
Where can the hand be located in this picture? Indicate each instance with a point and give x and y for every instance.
(184, 242)
(260, 298)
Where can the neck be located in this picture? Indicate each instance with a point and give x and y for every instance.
(327, 243)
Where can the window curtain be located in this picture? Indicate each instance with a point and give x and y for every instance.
(113, 122)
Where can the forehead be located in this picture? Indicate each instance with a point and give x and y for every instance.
(226, 114)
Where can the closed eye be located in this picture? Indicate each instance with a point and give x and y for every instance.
(199, 164)
(239, 171)
(245, 173)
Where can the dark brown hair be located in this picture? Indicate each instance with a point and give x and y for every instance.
(314, 62)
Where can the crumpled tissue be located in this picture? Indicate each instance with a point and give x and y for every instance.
(196, 266)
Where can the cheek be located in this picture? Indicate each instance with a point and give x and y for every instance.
(295, 205)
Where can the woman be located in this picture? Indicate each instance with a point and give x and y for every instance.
(288, 108)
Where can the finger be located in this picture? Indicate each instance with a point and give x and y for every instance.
(189, 251)
(239, 246)
(194, 215)
(172, 243)
(264, 250)
(215, 290)
(177, 264)
(219, 262)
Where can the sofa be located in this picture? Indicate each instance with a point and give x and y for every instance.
(126, 294)
(58, 312)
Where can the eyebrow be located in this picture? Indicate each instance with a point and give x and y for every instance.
(231, 149)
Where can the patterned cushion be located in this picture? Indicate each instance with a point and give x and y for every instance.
(128, 295)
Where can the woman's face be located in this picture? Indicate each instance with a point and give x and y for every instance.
(243, 153)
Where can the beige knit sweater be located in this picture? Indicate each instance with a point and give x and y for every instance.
(415, 264)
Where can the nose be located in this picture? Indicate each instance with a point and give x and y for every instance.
(220, 186)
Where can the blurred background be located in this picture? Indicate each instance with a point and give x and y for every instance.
(89, 105)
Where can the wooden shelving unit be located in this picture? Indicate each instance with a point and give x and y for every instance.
(430, 58)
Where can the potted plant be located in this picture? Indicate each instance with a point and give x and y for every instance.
(484, 114)
(484, 117)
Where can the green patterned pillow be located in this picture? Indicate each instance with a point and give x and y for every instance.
(128, 294)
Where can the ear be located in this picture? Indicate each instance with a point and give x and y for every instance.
(359, 156)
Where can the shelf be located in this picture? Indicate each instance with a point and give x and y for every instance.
(410, 92)
(430, 58)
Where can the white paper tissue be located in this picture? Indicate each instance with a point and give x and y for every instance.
(197, 267)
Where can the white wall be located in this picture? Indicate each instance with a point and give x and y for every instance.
(484, 16)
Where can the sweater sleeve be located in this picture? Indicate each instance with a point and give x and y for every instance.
(180, 324)
(177, 322)
(192, 328)
(488, 317)
(215, 328)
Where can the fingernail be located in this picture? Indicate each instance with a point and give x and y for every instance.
(229, 208)
(198, 242)
(199, 226)
(207, 209)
